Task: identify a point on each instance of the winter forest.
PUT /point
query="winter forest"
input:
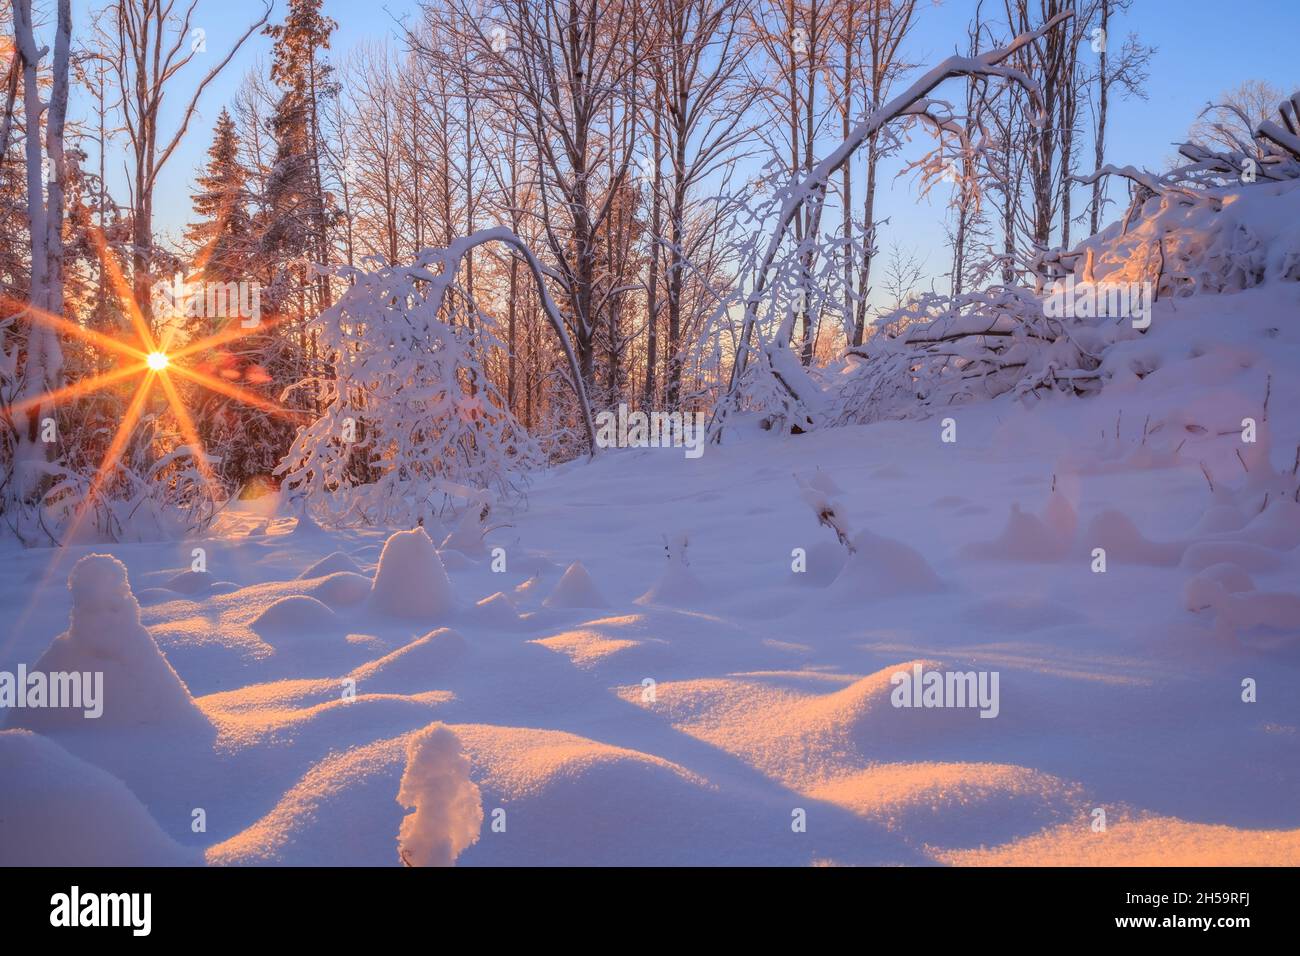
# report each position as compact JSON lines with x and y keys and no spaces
{"x":778,"y":432}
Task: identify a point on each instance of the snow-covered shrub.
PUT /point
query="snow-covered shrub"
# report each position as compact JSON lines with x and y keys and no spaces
{"x":1193,"y":242}
{"x":410,"y":416}
{"x":139,"y":496}
{"x":167,"y":499}
{"x":448,"y":810}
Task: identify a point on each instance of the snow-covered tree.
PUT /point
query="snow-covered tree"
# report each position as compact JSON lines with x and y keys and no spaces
{"x":411,"y":422}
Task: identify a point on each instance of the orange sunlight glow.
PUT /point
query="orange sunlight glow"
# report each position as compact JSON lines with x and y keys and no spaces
{"x":153,"y":360}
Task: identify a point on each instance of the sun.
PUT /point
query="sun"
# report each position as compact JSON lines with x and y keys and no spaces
{"x":156,"y":365}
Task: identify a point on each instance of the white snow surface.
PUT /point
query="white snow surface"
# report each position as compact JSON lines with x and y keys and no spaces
{"x":687,"y":719}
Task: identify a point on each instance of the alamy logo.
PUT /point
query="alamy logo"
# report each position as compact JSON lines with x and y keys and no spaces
{"x":1087,"y":300}
{"x":210,"y":300}
{"x":73,"y":689}
{"x":921,"y":688}
{"x":651,"y":430}
{"x":102,"y":909}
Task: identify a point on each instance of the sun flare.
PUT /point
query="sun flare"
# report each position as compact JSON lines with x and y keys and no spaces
{"x":156,"y":361}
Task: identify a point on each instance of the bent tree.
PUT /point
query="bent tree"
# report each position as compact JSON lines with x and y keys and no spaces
{"x":810,"y":191}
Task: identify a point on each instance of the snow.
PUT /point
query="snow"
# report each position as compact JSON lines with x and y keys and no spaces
{"x":411,"y":581}
{"x":57,"y":810}
{"x":649,"y":678}
{"x":575,"y":590}
{"x":140,"y":687}
{"x":448,"y":810}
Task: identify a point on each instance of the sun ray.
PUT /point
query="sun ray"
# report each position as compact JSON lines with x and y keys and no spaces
{"x":237,"y":393}
{"x":122,"y":436}
{"x":231,"y":333}
{"x":190,"y":433}
{"x":122,"y":289}
{"x":72,"y":328}
{"x":76,"y":389}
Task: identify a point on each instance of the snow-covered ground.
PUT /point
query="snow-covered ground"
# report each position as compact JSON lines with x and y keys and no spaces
{"x":649,"y":681}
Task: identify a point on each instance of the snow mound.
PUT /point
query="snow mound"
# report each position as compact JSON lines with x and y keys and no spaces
{"x":1204,"y":589}
{"x":293,"y":615}
{"x":824,"y":562}
{"x":678,"y":586}
{"x":565,"y":796}
{"x":330,"y":564}
{"x":1236,"y":615}
{"x":1251,"y":557}
{"x":952,"y":804}
{"x":1142,"y":841}
{"x":448,"y":810}
{"x":340,"y":813}
{"x":1030,"y":537}
{"x":807,"y":739}
{"x":105,"y":636}
{"x":467,"y":536}
{"x":1024,"y":537}
{"x":575,"y":589}
{"x":191,"y":582}
{"x":58,"y":810}
{"x":883,"y":567}
{"x":411,"y":666}
{"x":342,"y":587}
{"x":1125,"y":544}
{"x":411,"y":581}
{"x":496,"y":610}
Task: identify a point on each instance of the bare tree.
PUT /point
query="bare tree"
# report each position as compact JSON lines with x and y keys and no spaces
{"x":43,"y":369}
{"x":152,"y":43}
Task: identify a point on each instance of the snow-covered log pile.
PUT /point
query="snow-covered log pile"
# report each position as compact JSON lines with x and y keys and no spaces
{"x":1173,"y":242}
{"x":1202,"y":241}
{"x":945,"y":350}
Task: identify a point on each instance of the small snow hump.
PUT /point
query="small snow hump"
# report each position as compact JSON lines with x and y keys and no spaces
{"x":448,"y":809}
{"x":883,"y":567}
{"x":678,"y":585}
{"x":575,"y":589}
{"x":295,"y":615}
{"x":331,"y":564}
{"x":411,"y":581}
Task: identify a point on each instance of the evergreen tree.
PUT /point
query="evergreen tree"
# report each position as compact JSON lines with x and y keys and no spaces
{"x":297,"y":215}
{"x":222,"y":235}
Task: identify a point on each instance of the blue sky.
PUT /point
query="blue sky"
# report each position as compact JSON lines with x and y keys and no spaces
{"x":1204,"y":48}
